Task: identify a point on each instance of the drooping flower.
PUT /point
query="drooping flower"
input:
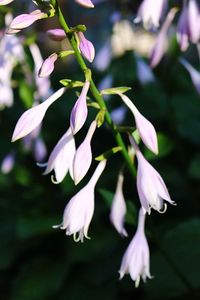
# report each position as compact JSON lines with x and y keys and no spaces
{"x":160,"y":45}
{"x":194,"y":74}
{"x":80,"y":111}
{"x":136,"y":258}
{"x":25,"y":20}
{"x":150,"y":13}
{"x":48,"y":65}
{"x":144,"y":72}
{"x":151,"y":188}
{"x":79,"y":210}
{"x":145,"y":128}
{"x":39,"y":149}
{"x":194,"y":21}
{"x":85,"y":3}
{"x":56,"y":34}
{"x":61,"y":158}
{"x":83,"y":156}
{"x":31,"y":118}
{"x":4,"y":2}
{"x":103,"y":57}
{"x":86,"y":47}
{"x":183,"y":29}
{"x":118,"y":207}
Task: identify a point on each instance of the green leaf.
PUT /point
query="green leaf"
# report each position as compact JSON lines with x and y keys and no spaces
{"x":115,"y":90}
{"x":182,"y":244}
{"x":100,"y":117}
{"x":71,"y":83}
{"x":26,"y":93}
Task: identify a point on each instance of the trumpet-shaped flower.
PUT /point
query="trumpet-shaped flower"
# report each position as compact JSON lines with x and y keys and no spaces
{"x":145,"y":128}
{"x":150,"y":12}
{"x":48,"y":65}
{"x":194,"y":74}
{"x":61,"y":158}
{"x":136,"y":258}
{"x":4,"y":2}
{"x":79,"y":210}
{"x":118,"y":208}
{"x":25,"y":20}
{"x":31,"y":118}
{"x":80,"y":111}
{"x":86,"y":47}
{"x":56,"y":34}
{"x":160,"y":46}
{"x":83,"y":156}
{"x":151,"y":188}
{"x":85,"y":3}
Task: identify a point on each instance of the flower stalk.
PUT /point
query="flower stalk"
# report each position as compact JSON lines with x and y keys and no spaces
{"x":95,"y":92}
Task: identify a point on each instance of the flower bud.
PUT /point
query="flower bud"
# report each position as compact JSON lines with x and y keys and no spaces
{"x":83,"y":156}
{"x":194,"y":21}
{"x":48,"y":65}
{"x":56,"y":34}
{"x":86,"y":3}
{"x":79,"y":112}
{"x":31,"y":118}
{"x":118,"y":208}
{"x":86,"y":47}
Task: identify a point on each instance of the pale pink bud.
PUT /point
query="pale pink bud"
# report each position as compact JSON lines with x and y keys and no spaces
{"x":150,"y":13}
{"x":194,"y":74}
{"x":79,"y":210}
{"x":85,"y":3}
{"x":103,"y":57}
{"x":4,"y":2}
{"x":194,"y":21}
{"x":48,"y":65}
{"x":86,"y":47}
{"x":83,"y":156}
{"x":160,"y":46}
{"x":8,"y":163}
{"x":183,"y":29}
{"x":151,"y":188}
{"x":61,"y":158}
{"x":24,"y":20}
{"x":136,"y":259}
{"x":118,"y":208}
{"x":80,"y":111}
{"x":145,"y":128}
{"x":56,"y":34}
{"x":31,"y":118}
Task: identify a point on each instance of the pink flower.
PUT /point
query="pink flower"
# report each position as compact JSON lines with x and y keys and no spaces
{"x":150,"y":12}
{"x":183,"y":29}
{"x":86,"y":3}
{"x":56,"y":34}
{"x":194,"y":21}
{"x":86,"y":47}
{"x":25,"y":20}
{"x":61,"y":158}
{"x":151,"y":188}
{"x":80,"y":111}
{"x":48,"y":65}
{"x":31,"y":118}
{"x":4,"y":2}
{"x":79,"y":210}
{"x":145,"y":128}
{"x":118,"y":208}
{"x":136,"y":258}
{"x":83,"y":156}
{"x":159,"y":47}
{"x":8,"y":163}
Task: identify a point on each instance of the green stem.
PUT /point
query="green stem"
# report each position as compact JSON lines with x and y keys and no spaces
{"x":95,"y":92}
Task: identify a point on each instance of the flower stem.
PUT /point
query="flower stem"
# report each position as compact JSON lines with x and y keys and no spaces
{"x":95,"y":92}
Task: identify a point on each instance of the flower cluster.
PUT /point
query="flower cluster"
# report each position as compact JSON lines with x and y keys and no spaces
{"x":66,"y":157}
